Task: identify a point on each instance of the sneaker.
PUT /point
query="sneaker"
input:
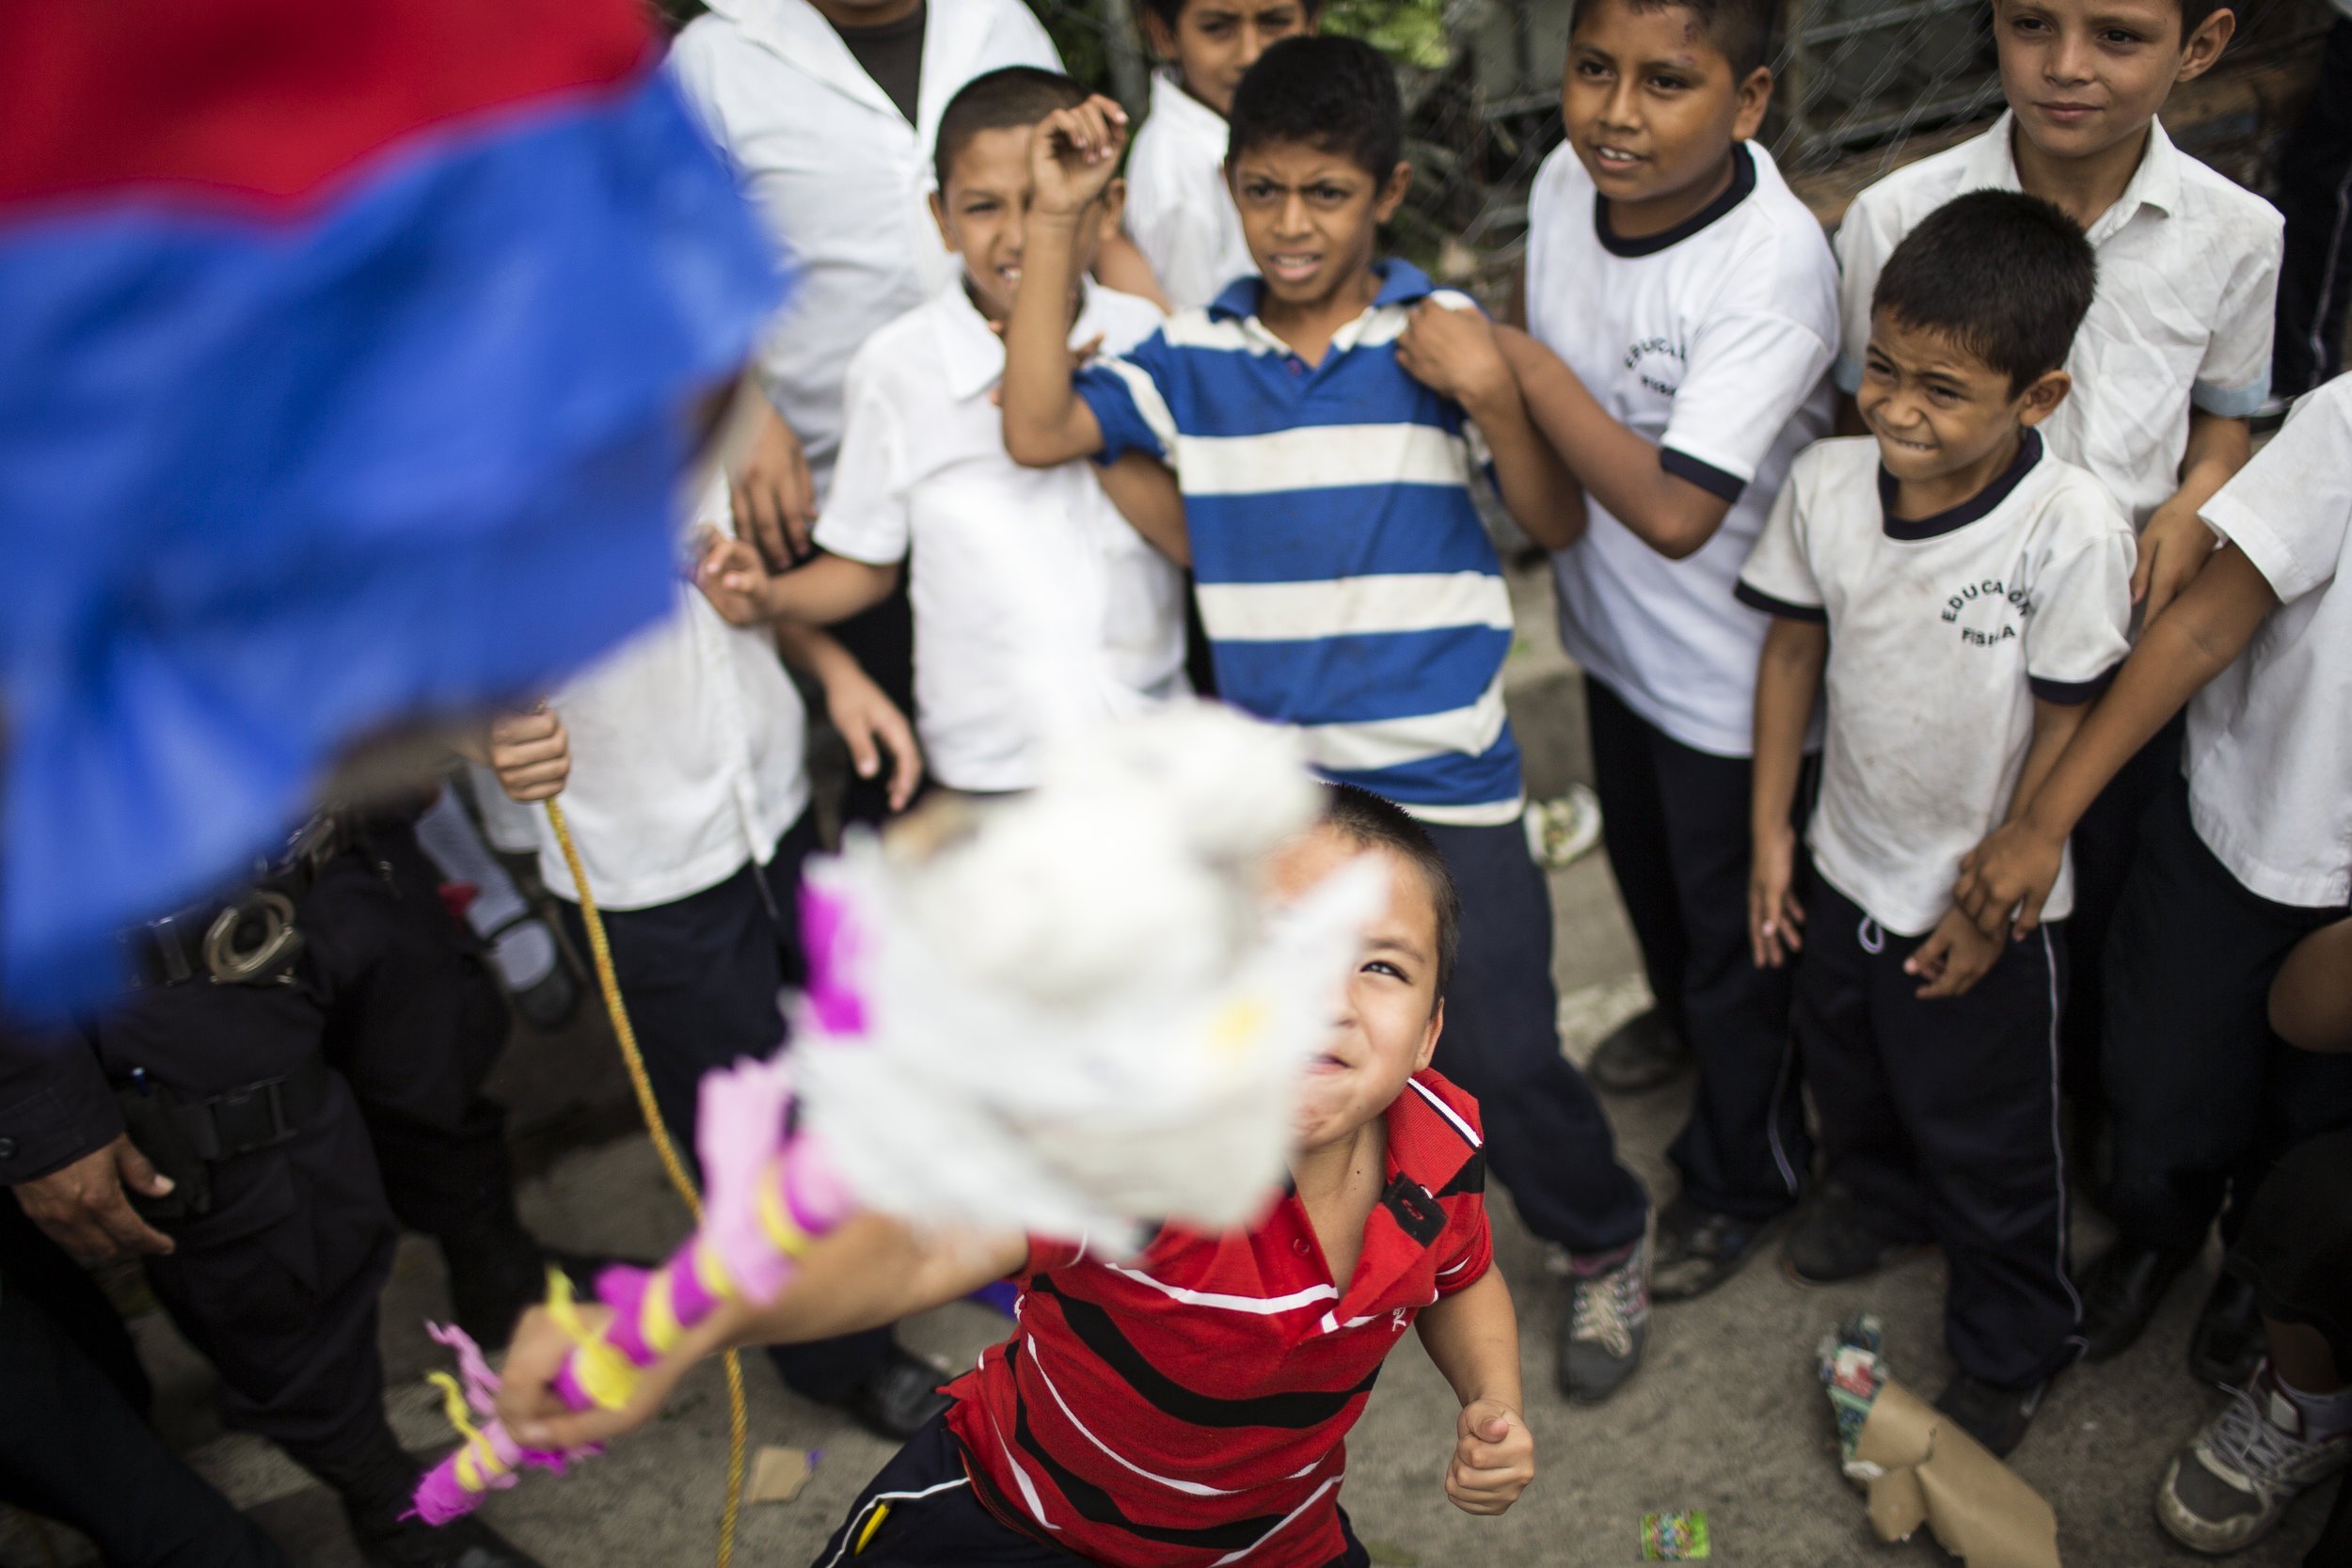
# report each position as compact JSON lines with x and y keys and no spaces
{"x":1834,"y":1241}
{"x":2234,"y":1481}
{"x":2227,"y":1343}
{"x":1698,"y":1249}
{"x":1608,"y":1322}
{"x":1560,"y":831}
{"x":1642,"y":1052}
{"x":899,"y":1398}
{"x":1993,"y":1416}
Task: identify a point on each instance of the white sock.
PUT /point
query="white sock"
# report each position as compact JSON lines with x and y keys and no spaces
{"x":526,"y":952}
{"x":2325,"y":1416}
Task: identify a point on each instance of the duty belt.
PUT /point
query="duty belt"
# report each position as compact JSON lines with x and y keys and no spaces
{"x":250,"y":937}
{"x":260,"y":1115}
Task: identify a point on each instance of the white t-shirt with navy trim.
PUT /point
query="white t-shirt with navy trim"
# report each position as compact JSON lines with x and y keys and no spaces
{"x":1038,"y":610}
{"x":1943,"y":632}
{"x":2188,"y":280}
{"x":2269,"y":753}
{"x":1179,"y":208}
{"x":1712,"y":341}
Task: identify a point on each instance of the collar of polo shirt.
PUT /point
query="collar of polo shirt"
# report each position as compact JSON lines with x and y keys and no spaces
{"x":2156,"y":182}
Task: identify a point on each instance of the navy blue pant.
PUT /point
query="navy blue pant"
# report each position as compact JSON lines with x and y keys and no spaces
{"x":928,"y":1517}
{"x":1941,"y":1115}
{"x":1675,"y":821}
{"x":2105,"y":844}
{"x":75,"y":1446}
{"x":1547,"y":1137}
{"x":2204,"y":1095}
{"x":701,"y":976}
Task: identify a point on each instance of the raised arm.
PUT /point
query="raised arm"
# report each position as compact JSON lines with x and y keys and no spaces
{"x":868,"y":1272}
{"x":1616,"y":467}
{"x":1072,"y":157}
{"x":1457,"y":352}
{"x":2203,"y":632}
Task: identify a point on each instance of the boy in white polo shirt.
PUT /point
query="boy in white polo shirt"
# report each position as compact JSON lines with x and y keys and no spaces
{"x":679,"y":761}
{"x":1037,"y":606}
{"x":2246,"y":854}
{"x":828,"y":109}
{"x":2172,"y":357}
{"x":1695,"y":303}
{"x":1960,"y":594}
{"x":1179,"y":207}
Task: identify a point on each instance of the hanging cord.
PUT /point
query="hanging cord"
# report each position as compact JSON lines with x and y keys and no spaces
{"x":601,"y":952}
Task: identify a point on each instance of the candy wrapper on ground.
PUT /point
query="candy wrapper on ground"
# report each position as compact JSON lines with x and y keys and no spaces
{"x":1918,"y":1466}
{"x":1674,"y":1537}
{"x":1076,"y":1013}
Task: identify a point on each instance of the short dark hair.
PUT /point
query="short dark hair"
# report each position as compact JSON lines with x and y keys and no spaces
{"x":2006,"y":276}
{"x":1172,"y":11}
{"x":1740,"y":30}
{"x":2193,"y":14}
{"x":999,"y":100}
{"x":1326,"y":90}
{"x":1364,"y":818}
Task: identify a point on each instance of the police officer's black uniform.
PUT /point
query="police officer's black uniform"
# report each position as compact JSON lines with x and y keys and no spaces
{"x":310,"y":1091}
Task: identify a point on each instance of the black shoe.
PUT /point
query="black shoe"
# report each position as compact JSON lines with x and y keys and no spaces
{"x":899,"y":1398}
{"x":1640,"y":1054}
{"x":2229,"y":1339}
{"x":549,"y":1003}
{"x":1834,"y":1240}
{"x":459,"y":1543}
{"x":1997,"y":1417}
{"x":1698,"y":1249}
{"x":2121,"y":1293}
{"x":377,"y":1485}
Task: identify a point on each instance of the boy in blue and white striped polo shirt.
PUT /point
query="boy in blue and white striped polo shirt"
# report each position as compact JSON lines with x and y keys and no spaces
{"x":1345,"y":580}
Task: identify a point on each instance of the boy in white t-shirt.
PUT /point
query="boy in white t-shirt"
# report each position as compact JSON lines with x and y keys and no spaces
{"x":1180,"y":208}
{"x":2172,"y":357}
{"x":2245,"y":854}
{"x":1960,"y":594}
{"x":1037,"y":607}
{"x":1695,"y":303}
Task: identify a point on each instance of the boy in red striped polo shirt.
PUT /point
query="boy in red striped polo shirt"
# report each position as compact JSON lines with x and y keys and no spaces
{"x":1188,"y":1407}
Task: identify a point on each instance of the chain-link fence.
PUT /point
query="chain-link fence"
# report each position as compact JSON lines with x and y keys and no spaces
{"x":1863,"y":86}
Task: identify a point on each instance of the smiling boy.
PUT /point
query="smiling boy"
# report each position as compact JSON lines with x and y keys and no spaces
{"x":1038,"y":608}
{"x":1691,"y":303}
{"x":2173,"y":356}
{"x":1345,"y":580}
{"x":1179,"y":208}
{"x":1189,"y":1405}
{"x":1960,"y":595}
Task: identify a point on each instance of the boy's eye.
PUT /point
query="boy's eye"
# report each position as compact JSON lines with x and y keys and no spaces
{"x":1591,"y":70}
{"x":1668,"y":84}
{"x":1381,"y":966}
{"x":2117,"y":38}
{"x":1329,"y":195}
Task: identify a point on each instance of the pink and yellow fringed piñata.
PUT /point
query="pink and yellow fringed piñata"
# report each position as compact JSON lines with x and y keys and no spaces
{"x":1069,"y":1014}
{"x":767,"y":1207}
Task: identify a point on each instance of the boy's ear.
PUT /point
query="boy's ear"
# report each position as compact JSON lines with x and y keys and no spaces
{"x":1755,"y":96}
{"x":1392,"y":193}
{"x":1157,"y":34}
{"x":2201,"y":48}
{"x":1428,"y":1051}
{"x":2042,"y":396}
{"x":1114,"y":200}
{"x":939,"y":216}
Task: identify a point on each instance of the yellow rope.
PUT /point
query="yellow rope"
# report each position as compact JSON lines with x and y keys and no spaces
{"x":601,"y":952}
